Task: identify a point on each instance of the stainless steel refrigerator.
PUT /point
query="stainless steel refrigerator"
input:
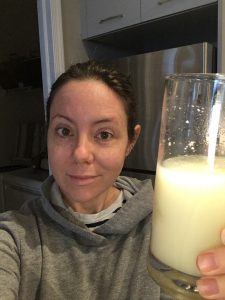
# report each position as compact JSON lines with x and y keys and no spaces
{"x":147,"y":72}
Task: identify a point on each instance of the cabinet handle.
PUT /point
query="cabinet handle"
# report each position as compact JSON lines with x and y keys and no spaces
{"x":160,"y":2}
{"x":111,"y":18}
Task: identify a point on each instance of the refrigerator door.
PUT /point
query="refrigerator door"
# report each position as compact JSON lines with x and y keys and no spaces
{"x":147,"y":73}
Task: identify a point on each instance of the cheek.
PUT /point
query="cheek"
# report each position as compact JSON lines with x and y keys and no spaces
{"x":58,"y":149}
{"x":51,"y":150}
{"x":56,"y":156}
{"x":112,"y":160}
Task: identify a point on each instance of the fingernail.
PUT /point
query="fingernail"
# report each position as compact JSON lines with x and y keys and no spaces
{"x":207,"y":287}
{"x":206,"y":262}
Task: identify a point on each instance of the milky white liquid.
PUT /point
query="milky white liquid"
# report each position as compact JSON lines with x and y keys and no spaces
{"x":189,"y":210}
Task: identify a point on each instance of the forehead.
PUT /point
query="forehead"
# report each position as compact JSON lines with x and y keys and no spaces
{"x":86,"y":95}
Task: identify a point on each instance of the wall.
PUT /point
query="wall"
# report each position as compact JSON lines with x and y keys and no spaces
{"x":74,"y":49}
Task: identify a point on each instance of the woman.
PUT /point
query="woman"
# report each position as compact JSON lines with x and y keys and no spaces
{"x":87,"y":237}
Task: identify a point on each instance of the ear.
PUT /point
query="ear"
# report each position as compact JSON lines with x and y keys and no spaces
{"x":137,"y":131}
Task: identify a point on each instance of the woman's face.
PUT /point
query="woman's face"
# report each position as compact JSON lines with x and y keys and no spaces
{"x":87,"y":141}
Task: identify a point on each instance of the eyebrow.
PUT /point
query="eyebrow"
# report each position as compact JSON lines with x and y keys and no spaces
{"x":105,"y":120}
{"x":63,"y":117}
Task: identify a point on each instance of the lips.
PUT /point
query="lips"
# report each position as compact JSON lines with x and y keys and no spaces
{"x":82,"y":179}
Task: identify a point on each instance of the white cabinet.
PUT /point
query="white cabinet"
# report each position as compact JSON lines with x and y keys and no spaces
{"x":152,"y":9}
{"x":103,"y":16}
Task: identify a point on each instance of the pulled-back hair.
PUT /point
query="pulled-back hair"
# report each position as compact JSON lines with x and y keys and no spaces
{"x":112,"y":77}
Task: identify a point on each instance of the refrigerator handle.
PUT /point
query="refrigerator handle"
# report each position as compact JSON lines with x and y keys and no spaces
{"x":155,"y":140}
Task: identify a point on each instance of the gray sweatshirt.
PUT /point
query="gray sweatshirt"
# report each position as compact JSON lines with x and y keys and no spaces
{"x":46,"y":253}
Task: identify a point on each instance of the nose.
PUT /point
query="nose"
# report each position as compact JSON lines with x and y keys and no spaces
{"x":83,"y":151}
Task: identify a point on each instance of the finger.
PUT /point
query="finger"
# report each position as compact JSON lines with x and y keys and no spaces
{"x":223,"y":236}
{"x":212,"y":262}
{"x":212,"y":287}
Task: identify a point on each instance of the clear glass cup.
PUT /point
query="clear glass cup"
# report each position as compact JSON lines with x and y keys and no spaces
{"x":189,"y":192}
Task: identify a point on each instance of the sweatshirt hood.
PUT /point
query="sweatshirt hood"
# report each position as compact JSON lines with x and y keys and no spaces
{"x":138,"y":195}
{"x":137,"y":207}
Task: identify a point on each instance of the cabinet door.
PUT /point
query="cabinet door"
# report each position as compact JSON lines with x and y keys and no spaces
{"x":152,"y":9}
{"x":102,"y":16}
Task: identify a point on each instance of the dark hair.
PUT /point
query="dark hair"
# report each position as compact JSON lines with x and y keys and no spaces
{"x":112,"y":77}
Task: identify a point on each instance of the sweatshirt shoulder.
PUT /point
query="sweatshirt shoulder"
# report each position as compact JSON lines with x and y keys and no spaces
{"x":19,"y":222}
{"x":133,"y":185}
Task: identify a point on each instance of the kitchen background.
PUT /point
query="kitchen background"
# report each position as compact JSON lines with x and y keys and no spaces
{"x":21,"y":103}
{"x":144,"y":26}
{"x":21,"y":100}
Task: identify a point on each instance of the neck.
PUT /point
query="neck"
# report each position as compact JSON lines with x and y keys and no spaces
{"x":96,"y":205}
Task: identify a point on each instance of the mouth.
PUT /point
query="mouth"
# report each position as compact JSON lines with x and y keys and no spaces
{"x":82,"y":179}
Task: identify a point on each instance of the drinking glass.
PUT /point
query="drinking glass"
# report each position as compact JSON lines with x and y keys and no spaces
{"x":189,"y":192}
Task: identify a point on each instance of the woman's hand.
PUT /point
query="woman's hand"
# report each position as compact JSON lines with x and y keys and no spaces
{"x":212,"y":265}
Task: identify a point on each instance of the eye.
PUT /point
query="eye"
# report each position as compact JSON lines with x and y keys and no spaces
{"x":104,"y":135}
{"x":63,"y":132}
